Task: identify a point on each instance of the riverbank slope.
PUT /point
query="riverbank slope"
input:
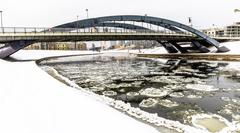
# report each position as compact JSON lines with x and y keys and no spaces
{"x":32,"y":101}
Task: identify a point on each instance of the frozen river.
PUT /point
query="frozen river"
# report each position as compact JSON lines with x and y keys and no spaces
{"x":195,"y":93}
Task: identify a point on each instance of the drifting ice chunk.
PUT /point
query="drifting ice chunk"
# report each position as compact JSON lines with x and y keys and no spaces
{"x":109,"y":93}
{"x":96,"y":89}
{"x":177,"y":94}
{"x":226,"y":99}
{"x":153,"y":92}
{"x":194,"y":96}
{"x":236,"y":117}
{"x":212,"y":123}
{"x":168,"y":103}
{"x":225,"y":111}
{"x":132,"y":94}
{"x":201,"y":87}
{"x":147,"y":103}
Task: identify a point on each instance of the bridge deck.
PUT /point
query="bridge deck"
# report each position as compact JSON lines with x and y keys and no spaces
{"x":9,"y":34}
{"x":95,"y":36}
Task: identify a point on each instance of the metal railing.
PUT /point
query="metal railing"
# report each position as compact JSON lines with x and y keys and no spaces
{"x":44,"y":30}
{"x":222,"y":36}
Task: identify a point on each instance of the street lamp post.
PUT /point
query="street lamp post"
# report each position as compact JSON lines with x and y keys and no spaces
{"x":236,"y":10}
{"x":87,"y":13}
{"x":87,"y":18}
{"x":77,"y":26}
{"x":1,"y":20}
{"x":190,"y":21}
{"x":77,"y":23}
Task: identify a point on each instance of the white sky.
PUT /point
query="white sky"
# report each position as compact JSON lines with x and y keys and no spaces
{"x":47,"y":13}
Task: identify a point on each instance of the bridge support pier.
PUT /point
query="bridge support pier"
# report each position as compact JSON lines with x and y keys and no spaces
{"x":200,"y":47}
{"x":181,"y":49}
{"x":222,"y":49}
{"x":169,"y":47}
{"x":13,"y":47}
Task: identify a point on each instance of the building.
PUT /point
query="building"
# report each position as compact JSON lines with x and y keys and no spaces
{"x":81,"y":46}
{"x":58,"y":46}
{"x":214,"y":32}
{"x":229,"y":31}
{"x":62,"y":46}
{"x":233,"y":30}
{"x":35,"y":46}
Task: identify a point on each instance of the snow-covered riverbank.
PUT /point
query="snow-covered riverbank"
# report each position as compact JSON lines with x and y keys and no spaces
{"x":32,"y":101}
{"x":39,"y":54}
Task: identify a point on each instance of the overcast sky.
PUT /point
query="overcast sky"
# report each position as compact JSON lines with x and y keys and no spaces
{"x":48,"y":13}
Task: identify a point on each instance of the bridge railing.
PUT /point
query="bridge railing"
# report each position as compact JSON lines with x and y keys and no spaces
{"x":224,"y":36}
{"x":44,"y":30}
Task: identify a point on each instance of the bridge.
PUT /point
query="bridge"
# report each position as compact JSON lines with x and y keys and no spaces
{"x":173,"y":36}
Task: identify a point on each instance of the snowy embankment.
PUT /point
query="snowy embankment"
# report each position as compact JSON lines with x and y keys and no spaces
{"x":32,"y":101}
{"x":233,"y":46}
{"x":39,"y":54}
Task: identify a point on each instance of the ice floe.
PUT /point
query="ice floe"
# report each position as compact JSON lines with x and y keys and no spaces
{"x":226,"y":99}
{"x":201,"y":87}
{"x":147,"y":103}
{"x":168,"y":103}
{"x":96,"y":89}
{"x":153,"y":92}
{"x":212,"y":123}
{"x":177,"y":94}
{"x":132,"y":95}
{"x":109,"y":93}
{"x":194,"y":96}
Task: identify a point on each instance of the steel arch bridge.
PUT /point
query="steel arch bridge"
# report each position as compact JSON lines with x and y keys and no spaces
{"x":123,"y":21}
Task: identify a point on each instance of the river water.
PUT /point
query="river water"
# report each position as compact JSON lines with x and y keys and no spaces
{"x":173,"y":89}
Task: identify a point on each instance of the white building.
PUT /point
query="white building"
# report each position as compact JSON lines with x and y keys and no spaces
{"x":232,"y":30}
{"x":213,"y":32}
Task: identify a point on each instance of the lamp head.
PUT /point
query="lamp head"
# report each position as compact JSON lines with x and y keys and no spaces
{"x":237,"y":10}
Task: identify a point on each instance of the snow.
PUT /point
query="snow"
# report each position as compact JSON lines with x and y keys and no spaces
{"x":156,"y":50}
{"x":233,"y":68}
{"x":233,"y":46}
{"x":39,"y":54}
{"x":32,"y":101}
